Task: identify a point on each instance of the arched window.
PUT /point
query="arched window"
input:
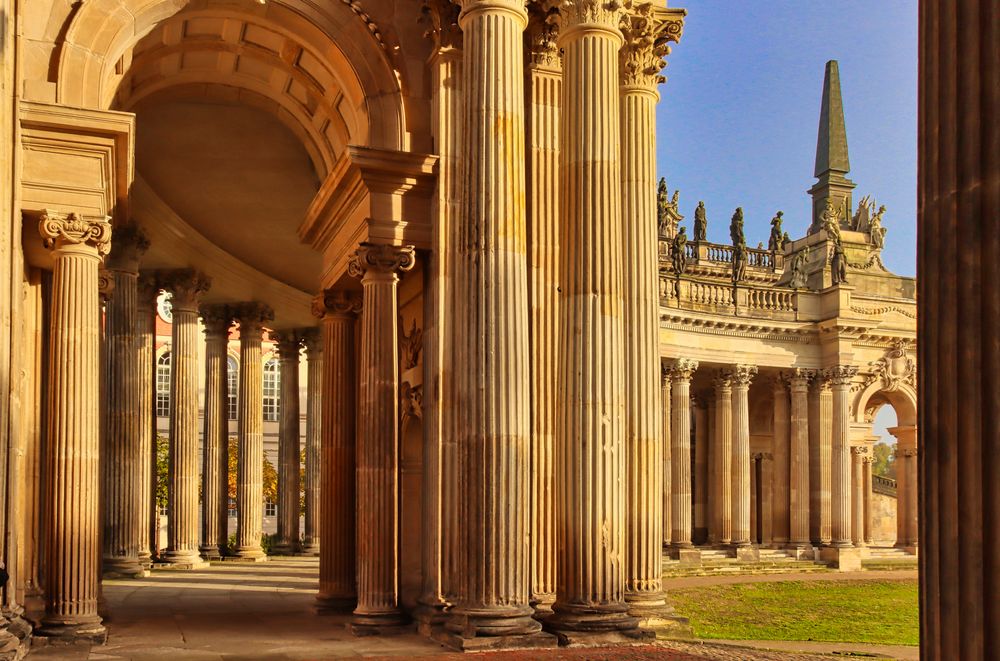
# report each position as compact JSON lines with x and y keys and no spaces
{"x":272,"y":385}
{"x":163,"y":385}
{"x":232,"y":386}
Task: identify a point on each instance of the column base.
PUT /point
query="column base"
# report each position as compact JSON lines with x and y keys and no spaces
{"x":145,"y":559}
{"x":687,"y":555}
{"x":539,"y":639}
{"x":285,"y":548}
{"x":327,"y":605}
{"x":801,"y":551}
{"x":430,"y":617}
{"x":663,"y":620}
{"x":210,"y":552}
{"x":248,"y":554}
{"x":747,"y":553}
{"x":841,"y":558}
{"x":568,"y":618}
{"x":542,"y":603}
{"x":379,"y":623}
{"x":67,"y":631}
{"x":123,"y":568}
{"x":309,"y":548}
{"x":181,"y":560}
{"x":491,"y":622}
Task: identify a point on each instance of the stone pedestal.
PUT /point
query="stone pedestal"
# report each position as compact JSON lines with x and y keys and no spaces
{"x":313,"y":339}
{"x":124,"y":465}
{"x":378,"y":611}
{"x":217,"y":320}
{"x":746,"y":554}
{"x":841,"y":558}
{"x":250,"y":436}
{"x":289,"y":443}
{"x":186,"y":287}
{"x":337,"y":593}
{"x":71,"y":506}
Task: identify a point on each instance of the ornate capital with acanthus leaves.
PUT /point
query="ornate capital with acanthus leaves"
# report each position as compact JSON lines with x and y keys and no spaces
{"x":742,"y":375}
{"x":289,"y":344}
{"x":129,"y":246}
{"x":841,"y":375}
{"x":606,"y":14}
{"x":381,"y":258}
{"x":648,"y":29}
{"x":543,"y":35}
{"x":217,"y":319}
{"x":185,"y":286}
{"x":312,"y":338}
{"x":723,"y":382}
{"x":798,"y":378}
{"x":336,"y":302}
{"x":683,"y":369}
{"x":60,"y":230}
{"x":441,"y":16}
{"x":252,"y":316}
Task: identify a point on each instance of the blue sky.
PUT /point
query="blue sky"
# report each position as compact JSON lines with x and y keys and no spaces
{"x":738,"y":117}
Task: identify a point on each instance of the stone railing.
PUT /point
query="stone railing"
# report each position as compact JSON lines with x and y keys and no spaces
{"x":718,"y":254}
{"x":775,"y":300}
{"x":710,"y":294}
{"x":742,"y":301}
{"x":884,"y":485}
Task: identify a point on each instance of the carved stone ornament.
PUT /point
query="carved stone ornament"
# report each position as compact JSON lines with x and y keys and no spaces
{"x":312,"y":338}
{"x":147,"y":288}
{"x":61,"y":229}
{"x":543,"y":34}
{"x":723,"y":381}
{"x":441,"y":17}
{"x":841,"y":375}
{"x":289,"y":343}
{"x":105,"y":285}
{"x":337,"y":302}
{"x":252,"y":316}
{"x":799,"y":377}
{"x":129,"y":246}
{"x":412,"y":400}
{"x":608,"y":13}
{"x":859,"y":449}
{"x":185,"y":286}
{"x":381,"y":257}
{"x":217,"y":319}
{"x":893,"y":369}
{"x":410,"y":346}
{"x":647,"y":29}
{"x":683,"y":369}
{"x":742,"y":375}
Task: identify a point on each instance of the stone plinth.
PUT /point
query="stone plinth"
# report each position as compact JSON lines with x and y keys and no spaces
{"x":841,"y":558}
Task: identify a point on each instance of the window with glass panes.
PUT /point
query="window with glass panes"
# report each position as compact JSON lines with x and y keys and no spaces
{"x":232,"y":386}
{"x":272,"y":384}
{"x":163,"y":385}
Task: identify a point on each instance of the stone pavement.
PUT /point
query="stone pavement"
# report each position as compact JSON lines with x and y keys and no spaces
{"x":234,"y":611}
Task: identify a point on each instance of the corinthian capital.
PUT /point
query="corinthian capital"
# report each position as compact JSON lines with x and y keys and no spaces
{"x":252,"y":316}
{"x":543,"y":34}
{"x":381,"y":257}
{"x":598,"y":13}
{"x":336,"y":302}
{"x":742,"y":375}
{"x":289,"y":344}
{"x":442,"y":19}
{"x":129,"y":246}
{"x":683,"y":369}
{"x":217,"y":318}
{"x":185,"y":286}
{"x":105,"y":285}
{"x":59,"y":230}
{"x":841,"y":375}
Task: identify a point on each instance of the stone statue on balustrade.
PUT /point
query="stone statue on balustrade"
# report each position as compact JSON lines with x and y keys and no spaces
{"x":875,"y":228}
{"x":831,"y":221}
{"x":678,"y":251}
{"x":799,"y":276}
{"x":838,"y":263}
{"x":739,"y":262}
{"x":736,"y":228}
{"x":700,"y":223}
{"x":776,"y":243}
{"x":662,"y":218}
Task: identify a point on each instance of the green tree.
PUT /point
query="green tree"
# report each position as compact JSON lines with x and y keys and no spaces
{"x":162,"y":469}
{"x":885,"y":460}
{"x":270,"y":473}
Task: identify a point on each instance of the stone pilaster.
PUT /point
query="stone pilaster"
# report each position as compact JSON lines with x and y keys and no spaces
{"x":590,"y":438}
{"x":72,"y":482}
{"x":217,"y":320}
{"x":859,"y":455}
{"x":313,"y":340}
{"x":680,"y":454}
{"x":840,"y":494}
{"x":820,"y":449}
{"x":741,"y":377}
{"x":185,"y":286}
{"x":798,"y":493}
{"x":146,"y":292}
{"x":866,"y":490}
{"x":640,"y":61}
{"x":665,"y":418}
{"x":906,"y":502}
{"x":722,"y":496}
{"x":289,"y":442}
{"x":491,"y":277}
{"x":378,"y":609}
{"x":781,"y":442}
{"x":543,"y":129}
{"x":124,"y":521}
{"x":250,"y":435}
{"x":338,"y":310}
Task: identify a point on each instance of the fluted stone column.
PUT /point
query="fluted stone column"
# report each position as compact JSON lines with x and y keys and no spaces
{"x":699,"y":533}
{"x":820,"y":453}
{"x":798,"y":493}
{"x":491,"y":276}
{"x":338,"y":310}
{"x":590,"y":445}
{"x":680,"y":453}
{"x":858,"y":456}
{"x":766,"y":517}
{"x":217,"y":320}
{"x":711,"y":460}
{"x":313,"y":340}
{"x":958,"y":206}
{"x":378,"y":609}
{"x":71,"y":508}
{"x":782,"y":469}
{"x":543,"y":127}
{"x":666,"y":490}
{"x":250,"y":436}
{"x":723,"y":482}
{"x":186,"y":287}
{"x":909,"y":501}
{"x":289,"y":442}
{"x":640,"y":61}
{"x":741,"y":377}
{"x":145,"y":327}
{"x":840,"y":494}
{"x":866,"y":490}
{"x":124,"y":465}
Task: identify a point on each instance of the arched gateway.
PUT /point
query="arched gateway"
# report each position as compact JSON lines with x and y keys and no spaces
{"x":452,"y":207}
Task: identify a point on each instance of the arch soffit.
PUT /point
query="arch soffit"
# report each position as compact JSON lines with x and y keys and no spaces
{"x":902,"y":398}
{"x":103,"y":32}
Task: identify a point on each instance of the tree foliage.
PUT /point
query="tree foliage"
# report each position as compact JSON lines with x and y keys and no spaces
{"x":270,"y":474}
{"x":885,"y":460}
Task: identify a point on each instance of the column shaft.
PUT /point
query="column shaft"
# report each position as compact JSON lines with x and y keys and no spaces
{"x":186,"y":287}
{"x":146,"y":293}
{"x":857,"y":496}
{"x":590,"y":475}
{"x":314,"y":436}
{"x":712,"y":462}
{"x":800,"y":460}
{"x":667,"y":488}
{"x":71,"y":507}
{"x":337,"y":565}
{"x":217,"y":320}
{"x":289,"y":443}
{"x":820,"y":448}
{"x":912,"y":485}
{"x":680,"y":452}
{"x":250,"y":434}
{"x":377,"y":450}
{"x":700,"y":532}
{"x":840,"y":483}
{"x":741,"y":454}
{"x":782,"y":469}
{"x":724,"y":457}
{"x":866,"y":490}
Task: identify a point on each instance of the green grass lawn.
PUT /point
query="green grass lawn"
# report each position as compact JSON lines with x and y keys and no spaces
{"x":833,"y":611}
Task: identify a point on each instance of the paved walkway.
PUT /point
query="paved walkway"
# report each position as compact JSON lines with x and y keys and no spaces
{"x":235,"y":611}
